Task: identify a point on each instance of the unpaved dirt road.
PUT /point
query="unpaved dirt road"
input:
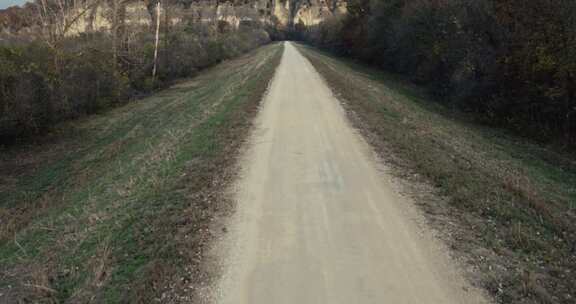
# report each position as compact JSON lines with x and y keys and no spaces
{"x":317,"y":221}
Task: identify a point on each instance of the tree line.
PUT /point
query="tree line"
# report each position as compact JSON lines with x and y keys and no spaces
{"x":511,"y":62}
{"x":49,"y":74}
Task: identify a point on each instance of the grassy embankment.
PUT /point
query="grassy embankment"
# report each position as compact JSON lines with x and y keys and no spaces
{"x":116,"y":207}
{"x":514,"y":201}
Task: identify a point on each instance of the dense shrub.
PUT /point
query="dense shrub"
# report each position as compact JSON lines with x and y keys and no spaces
{"x":512,"y":62}
{"x":41,"y":85}
{"x":187,"y":53}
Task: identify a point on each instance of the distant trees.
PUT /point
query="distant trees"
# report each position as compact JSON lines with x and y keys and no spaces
{"x":511,"y":61}
{"x":15,"y":18}
{"x":57,"y":76}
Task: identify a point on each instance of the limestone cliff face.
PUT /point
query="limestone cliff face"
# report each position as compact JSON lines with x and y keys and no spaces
{"x":142,"y":13}
{"x":312,"y":12}
{"x":307,"y":12}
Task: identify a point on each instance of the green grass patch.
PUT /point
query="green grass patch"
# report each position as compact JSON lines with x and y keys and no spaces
{"x":100,"y":213}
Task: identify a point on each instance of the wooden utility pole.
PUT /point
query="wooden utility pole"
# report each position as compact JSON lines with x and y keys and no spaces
{"x":156,"y":42}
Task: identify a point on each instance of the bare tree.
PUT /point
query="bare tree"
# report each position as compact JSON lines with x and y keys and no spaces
{"x":58,"y":16}
{"x":156,"y":40}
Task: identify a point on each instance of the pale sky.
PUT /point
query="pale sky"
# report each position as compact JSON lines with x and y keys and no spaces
{"x":8,"y":3}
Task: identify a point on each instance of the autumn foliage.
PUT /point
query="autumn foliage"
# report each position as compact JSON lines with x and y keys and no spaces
{"x":511,"y":62}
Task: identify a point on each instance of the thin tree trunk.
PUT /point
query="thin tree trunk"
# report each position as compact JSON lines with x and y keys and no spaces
{"x":156,"y":42}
